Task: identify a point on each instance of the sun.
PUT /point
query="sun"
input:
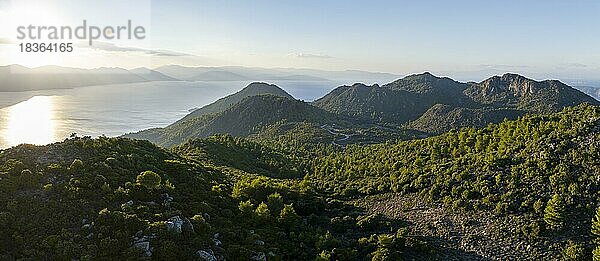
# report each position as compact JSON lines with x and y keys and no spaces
{"x":24,"y":13}
{"x":35,"y":12}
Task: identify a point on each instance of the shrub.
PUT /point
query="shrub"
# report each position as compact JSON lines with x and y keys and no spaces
{"x":385,"y":240}
{"x":263,"y":211}
{"x":246,"y":207}
{"x":200,"y":224}
{"x":554,"y":214}
{"x":288,"y":215}
{"x":76,"y":165}
{"x":381,"y":254}
{"x":532,"y":231}
{"x":573,"y":251}
{"x":275,"y":202}
{"x":596,"y":254}
{"x":148,"y":179}
{"x":596,"y":225}
{"x":13,"y":167}
{"x":327,"y":241}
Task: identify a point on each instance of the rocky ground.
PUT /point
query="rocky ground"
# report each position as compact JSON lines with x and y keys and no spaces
{"x":461,"y":235}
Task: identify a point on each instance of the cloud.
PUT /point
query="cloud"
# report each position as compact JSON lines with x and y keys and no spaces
{"x":311,"y":56}
{"x":573,"y":65}
{"x":167,"y":53}
{"x":503,"y":66}
{"x":115,"y":48}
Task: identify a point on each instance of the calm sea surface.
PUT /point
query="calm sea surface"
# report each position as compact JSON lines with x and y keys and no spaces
{"x":43,"y":117}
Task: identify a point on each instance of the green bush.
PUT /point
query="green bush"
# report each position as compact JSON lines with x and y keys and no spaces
{"x":554,"y":213}
{"x":148,"y":179}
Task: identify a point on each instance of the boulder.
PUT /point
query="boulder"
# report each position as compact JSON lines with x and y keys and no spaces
{"x":206,"y":255}
{"x":175,"y":224}
{"x":127,"y":205}
{"x":144,"y":247}
{"x":260,"y":256}
{"x":187,"y":226}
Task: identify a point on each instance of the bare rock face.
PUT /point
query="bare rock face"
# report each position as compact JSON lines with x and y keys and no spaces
{"x":515,"y":84}
{"x":187,"y":226}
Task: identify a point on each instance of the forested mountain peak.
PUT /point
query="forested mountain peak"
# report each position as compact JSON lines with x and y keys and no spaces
{"x":513,"y":90}
{"x":426,"y":83}
{"x":241,"y":119}
{"x":517,"y":84}
{"x":255,"y":88}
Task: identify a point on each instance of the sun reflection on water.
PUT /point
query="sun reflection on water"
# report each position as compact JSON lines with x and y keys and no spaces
{"x":31,"y":122}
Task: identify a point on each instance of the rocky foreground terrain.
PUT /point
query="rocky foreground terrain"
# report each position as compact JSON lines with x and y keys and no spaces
{"x":464,"y":235}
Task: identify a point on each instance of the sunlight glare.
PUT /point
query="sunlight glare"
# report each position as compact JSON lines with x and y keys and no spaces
{"x":25,"y":13}
{"x":31,"y":122}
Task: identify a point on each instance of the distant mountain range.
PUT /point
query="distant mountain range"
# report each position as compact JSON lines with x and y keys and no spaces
{"x":16,"y":78}
{"x":237,"y":73}
{"x":20,"y":78}
{"x":432,"y":104}
{"x":423,"y":103}
{"x":591,"y":91}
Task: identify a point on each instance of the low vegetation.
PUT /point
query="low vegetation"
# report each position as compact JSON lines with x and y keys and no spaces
{"x":533,"y":180}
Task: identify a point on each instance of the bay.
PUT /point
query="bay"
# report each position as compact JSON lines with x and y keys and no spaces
{"x":43,"y":117}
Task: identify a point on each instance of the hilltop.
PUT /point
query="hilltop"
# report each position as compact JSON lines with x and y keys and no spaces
{"x":434,"y":104}
{"x":414,"y":106}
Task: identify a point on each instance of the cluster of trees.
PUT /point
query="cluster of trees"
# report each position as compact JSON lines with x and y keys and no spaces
{"x":543,"y":167}
{"x":245,"y":155}
{"x":236,"y":198}
{"x":117,"y":198}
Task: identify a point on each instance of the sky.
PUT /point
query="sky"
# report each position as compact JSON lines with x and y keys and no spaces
{"x":464,"y":39}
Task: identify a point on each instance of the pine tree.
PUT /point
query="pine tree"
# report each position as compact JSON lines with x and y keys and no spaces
{"x":596,"y":225}
{"x":262,"y":211}
{"x":148,"y":179}
{"x":275,"y":202}
{"x":554,"y":214}
{"x":288,"y":215}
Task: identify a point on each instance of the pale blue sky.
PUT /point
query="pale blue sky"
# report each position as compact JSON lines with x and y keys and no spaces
{"x":463,"y":38}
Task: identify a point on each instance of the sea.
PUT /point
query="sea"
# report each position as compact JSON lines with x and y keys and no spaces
{"x":43,"y":117}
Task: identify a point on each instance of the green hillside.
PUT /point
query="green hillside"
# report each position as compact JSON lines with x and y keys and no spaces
{"x":434,"y":105}
{"x":523,"y":189}
{"x":241,"y":119}
{"x":256,"y":88}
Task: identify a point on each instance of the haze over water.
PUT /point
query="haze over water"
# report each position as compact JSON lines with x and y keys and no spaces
{"x":43,"y":117}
